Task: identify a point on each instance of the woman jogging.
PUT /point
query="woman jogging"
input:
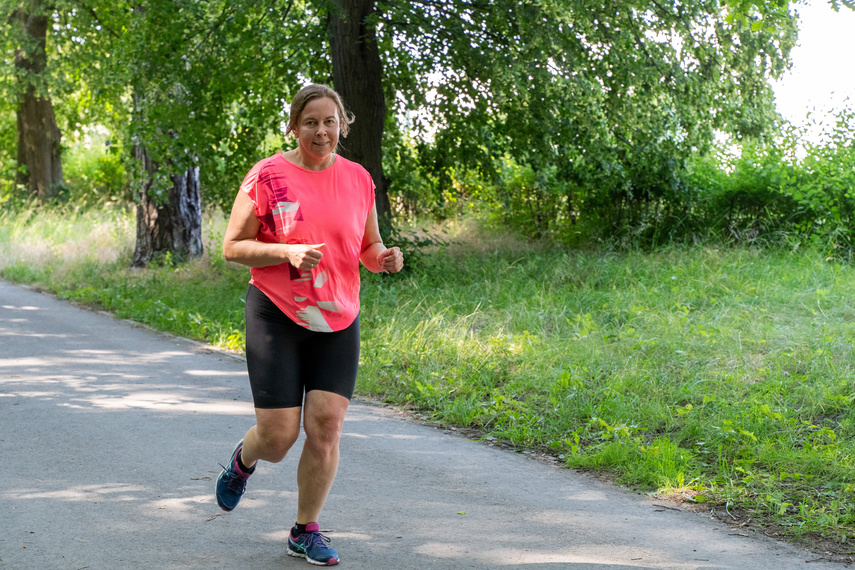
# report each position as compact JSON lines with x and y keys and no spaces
{"x":303,"y":220}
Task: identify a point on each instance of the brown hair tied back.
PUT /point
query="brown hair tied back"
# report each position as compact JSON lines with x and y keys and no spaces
{"x":316,"y":91}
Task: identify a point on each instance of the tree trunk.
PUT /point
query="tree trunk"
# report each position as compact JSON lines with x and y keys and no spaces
{"x":170,"y":224}
{"x":169,"y":220}
{"x":357,"y":76}
{"x":39,"y":164}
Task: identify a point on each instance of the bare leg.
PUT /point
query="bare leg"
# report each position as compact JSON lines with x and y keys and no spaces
{"x":322,"y":421}
{"x":273,"y":435}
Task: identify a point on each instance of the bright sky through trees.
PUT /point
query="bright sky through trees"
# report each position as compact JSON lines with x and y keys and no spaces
{"x":821,"y":76}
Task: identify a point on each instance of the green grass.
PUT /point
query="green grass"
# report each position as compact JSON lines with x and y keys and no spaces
{"x":720,"y":374}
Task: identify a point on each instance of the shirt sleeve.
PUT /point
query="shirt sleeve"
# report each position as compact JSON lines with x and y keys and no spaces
{"x":250,"y":182}
{"x":255,"y":186}
{"x":371,"y":187}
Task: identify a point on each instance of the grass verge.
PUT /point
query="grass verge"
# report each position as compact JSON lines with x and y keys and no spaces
{"x":722,"y":376}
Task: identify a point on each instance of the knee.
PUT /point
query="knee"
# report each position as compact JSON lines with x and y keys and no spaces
{"x":276,"y":444}
{"x":325,"y":434}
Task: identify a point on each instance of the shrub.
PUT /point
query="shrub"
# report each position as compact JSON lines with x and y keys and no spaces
{"x":93,"y":171}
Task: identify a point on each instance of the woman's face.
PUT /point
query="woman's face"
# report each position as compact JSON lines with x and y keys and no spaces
{"x":318,"y":128}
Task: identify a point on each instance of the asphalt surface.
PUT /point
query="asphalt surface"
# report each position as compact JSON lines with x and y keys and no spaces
{"x":111,"y":435}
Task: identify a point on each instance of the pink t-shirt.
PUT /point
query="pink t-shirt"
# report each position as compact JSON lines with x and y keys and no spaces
{"x":296,"y":205}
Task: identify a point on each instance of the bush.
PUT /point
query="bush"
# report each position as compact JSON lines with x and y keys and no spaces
{"x":786,"y":189}
{"x":824,"y":186}
{"x":8,"y":152}
{"x":740,"y":195}
{"x":789,"y":188}
{"x":93,"y":172}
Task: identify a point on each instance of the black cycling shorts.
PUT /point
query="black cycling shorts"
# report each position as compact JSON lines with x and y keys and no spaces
{"x":286,"y":360}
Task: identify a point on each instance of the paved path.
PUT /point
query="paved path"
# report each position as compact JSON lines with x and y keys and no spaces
{"x":110,"y":437}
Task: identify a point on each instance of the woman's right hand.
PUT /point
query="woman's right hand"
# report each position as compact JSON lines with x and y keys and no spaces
{"x":305,"y":257}
{"x":241,"y":245}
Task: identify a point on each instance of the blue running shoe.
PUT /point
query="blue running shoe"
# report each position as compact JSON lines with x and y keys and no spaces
{"x":312,"y":546}
{"x":232,"y":482}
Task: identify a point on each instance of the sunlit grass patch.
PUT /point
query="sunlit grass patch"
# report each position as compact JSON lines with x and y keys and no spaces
{"x":713,"y":368}
{"x":61,"y":238}
{"x":84,"y":256}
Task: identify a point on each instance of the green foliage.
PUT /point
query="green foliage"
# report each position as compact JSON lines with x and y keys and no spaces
{"x":824,"y":186}
{"x":94,"y":171}
{"x":411,"y":189}
{"x":201,"y":84}
{"x":770,"y":12}
{"x":210,"y":87}
{"x":531,"y":200}
{"x":8,"y":149}
{"x":561,"y":119}
{"x":737,"y":195}
{"x":600,"y":106}
{"x":786,"y":190}
{"x":183,"y":300}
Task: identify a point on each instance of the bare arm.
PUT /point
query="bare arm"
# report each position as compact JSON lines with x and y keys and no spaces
{"x":240,"y":245}
{"x":375,"y":256}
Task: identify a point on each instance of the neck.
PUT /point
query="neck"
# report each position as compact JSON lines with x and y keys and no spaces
{"x":309,"y":164}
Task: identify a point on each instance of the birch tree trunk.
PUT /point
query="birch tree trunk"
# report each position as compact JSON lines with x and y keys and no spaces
{"x":170,"y":222}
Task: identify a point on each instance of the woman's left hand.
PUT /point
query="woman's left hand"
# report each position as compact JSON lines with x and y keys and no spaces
{"x":391,"y":260}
